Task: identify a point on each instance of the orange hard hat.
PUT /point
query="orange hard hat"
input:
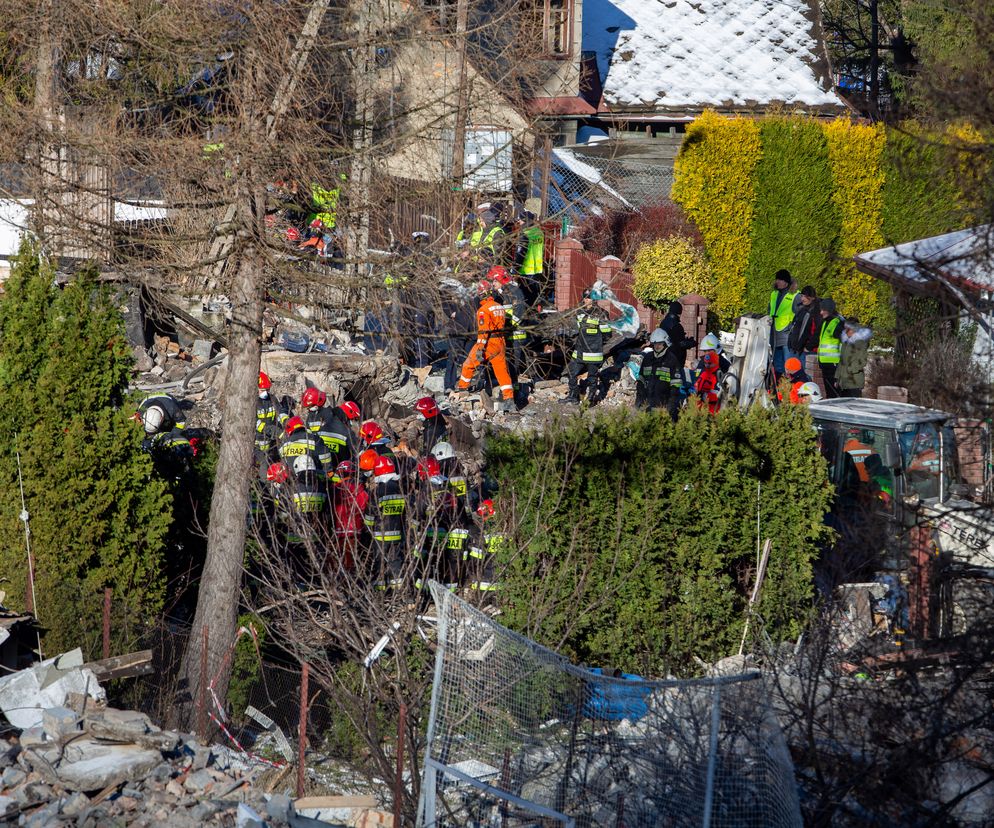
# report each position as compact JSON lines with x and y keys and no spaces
{"x":793,"y":365}
{"x":367,"y":460}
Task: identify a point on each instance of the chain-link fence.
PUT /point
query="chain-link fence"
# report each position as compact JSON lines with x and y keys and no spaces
{"x":519,"y":736}
{"x":582,"y":184}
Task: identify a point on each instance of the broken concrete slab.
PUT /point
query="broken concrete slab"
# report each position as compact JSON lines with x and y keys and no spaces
{"x":26,"y":693}
{"x":86,"y":764}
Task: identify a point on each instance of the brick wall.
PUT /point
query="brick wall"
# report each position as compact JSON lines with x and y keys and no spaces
{"x":577,"y":270}
{"x":971,"y":437}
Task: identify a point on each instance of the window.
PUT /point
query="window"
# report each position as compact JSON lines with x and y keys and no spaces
{"x":557,"y":27}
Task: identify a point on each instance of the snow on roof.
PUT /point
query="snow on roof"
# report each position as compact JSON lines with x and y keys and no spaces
{"x":964,"y":257}
{"x":14,"y":219}
{"x":698,"y":53}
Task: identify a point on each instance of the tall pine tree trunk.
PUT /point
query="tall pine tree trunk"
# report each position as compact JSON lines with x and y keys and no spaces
{"x":217,"y":603}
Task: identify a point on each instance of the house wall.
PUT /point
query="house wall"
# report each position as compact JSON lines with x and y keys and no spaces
{"x":561,"y":77}
{"x":424,"y":83}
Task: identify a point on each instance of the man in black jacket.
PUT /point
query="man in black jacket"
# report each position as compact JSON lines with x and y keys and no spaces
{"x":678,"y":336}
{"x":803,"y":336}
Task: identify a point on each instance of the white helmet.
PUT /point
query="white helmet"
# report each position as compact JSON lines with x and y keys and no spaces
{"x":304,"y":463}
{"x":152,"y":418}
{"x":710,"y":343}
{"x":810,"y":391}
{"x":443,"y":451}
{"x":659,"y":335}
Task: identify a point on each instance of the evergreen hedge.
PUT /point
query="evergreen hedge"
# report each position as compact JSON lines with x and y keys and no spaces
{"x":667,"y":269}
{"x":714,"y":183}
{"x":857,"y":189}
{"x":98,"y":517}
{"x":795,"y":222}
{"x":635,"y":538}
{"x":808,"y":195}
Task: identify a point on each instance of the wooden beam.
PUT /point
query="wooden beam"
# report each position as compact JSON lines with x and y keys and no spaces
{"x":122,"y":666}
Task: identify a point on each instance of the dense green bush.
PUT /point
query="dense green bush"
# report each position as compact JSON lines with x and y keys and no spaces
{"x":919,"y":195}
{"x":666,"y":269}
{"x":795,"y":222}
{"x":98,"y":517}
{"x":635,"y":538}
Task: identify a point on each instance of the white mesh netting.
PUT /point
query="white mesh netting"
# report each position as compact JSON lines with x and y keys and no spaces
{"x":518,"y":736}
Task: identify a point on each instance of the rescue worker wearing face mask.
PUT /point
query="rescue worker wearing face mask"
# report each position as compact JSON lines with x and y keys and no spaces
{"x":660,"y":375}
{"x":592,"y":334}
{"x":333,"y":424}
{"x":271,"y":417}
{"x":386,"y":519}
{"x":434,"y":429}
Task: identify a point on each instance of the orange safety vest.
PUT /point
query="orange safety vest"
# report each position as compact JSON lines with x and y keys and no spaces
{"x":489,"y":320}
{"x":858,"y":452}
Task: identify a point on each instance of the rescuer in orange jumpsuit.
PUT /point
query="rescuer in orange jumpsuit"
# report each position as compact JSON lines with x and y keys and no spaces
{"x":489,"y":347}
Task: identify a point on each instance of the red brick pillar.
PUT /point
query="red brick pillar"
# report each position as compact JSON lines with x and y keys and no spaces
{"x":694,"y":320}
{"x":566,"y":249}
{"x":970,"y":439}
{"x":892,"y":393}
{"x":608,"y":269}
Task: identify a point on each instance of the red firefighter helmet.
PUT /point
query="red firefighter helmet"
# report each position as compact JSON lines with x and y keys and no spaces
{"x":484,"y":288}
{"x":313,"y":398}
{"x":427,"y":407}
{"x":384,"y":465}
{"x":265,"y":383}
{"x":367,"y":460}
{"x":292,"y":234}
{"x":429,"y":467}
{"x":293,"y":424}
{"x":345,"y":469}
{"x":317,"y":223}
{"x":370,"y":432}
{"x":350,"y":410}
{"x":486,"y":509}
{"x":277,"y":473}
{"x":499,"y":274}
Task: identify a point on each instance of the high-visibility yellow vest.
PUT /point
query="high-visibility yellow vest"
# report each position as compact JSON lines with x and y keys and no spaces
{"x":326,"y":204}
{"x":829,"y":342}
{"x":535,"y":254}
{"x":782,"y":312}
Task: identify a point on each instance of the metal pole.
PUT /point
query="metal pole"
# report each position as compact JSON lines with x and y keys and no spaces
{"x":398,"y":781}
{"x":302,"y":729}
{"x":107,"y":595}
{"x":712,"y":757}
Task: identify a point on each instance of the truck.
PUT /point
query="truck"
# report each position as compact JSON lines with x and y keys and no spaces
{"x":902,"y":514}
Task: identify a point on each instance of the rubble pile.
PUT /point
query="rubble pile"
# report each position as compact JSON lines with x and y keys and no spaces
{"x":109,"y":767}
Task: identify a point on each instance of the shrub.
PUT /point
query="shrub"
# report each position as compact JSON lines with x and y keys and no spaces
{"x":669,"y":268}
{"x":98,"y":516}
{"x":622,"y":233}
{"x":714,"y":183}
{"x":795,"y":223}
{"x":631,"y":542}
{"x":855,"y":151}
{"x":919,"y":196}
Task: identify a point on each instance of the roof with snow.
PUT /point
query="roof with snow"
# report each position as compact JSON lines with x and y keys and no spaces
{"x":964,"y":257}
{"x":693,"y":54}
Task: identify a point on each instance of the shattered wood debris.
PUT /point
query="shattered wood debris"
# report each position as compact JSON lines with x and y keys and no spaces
{"x":79,"y":762}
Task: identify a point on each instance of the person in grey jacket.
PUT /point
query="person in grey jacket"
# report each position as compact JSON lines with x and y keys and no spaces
{"x":852,"y":366}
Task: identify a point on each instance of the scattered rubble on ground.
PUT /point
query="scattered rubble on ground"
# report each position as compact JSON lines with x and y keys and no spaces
{"x":90,"y":765}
